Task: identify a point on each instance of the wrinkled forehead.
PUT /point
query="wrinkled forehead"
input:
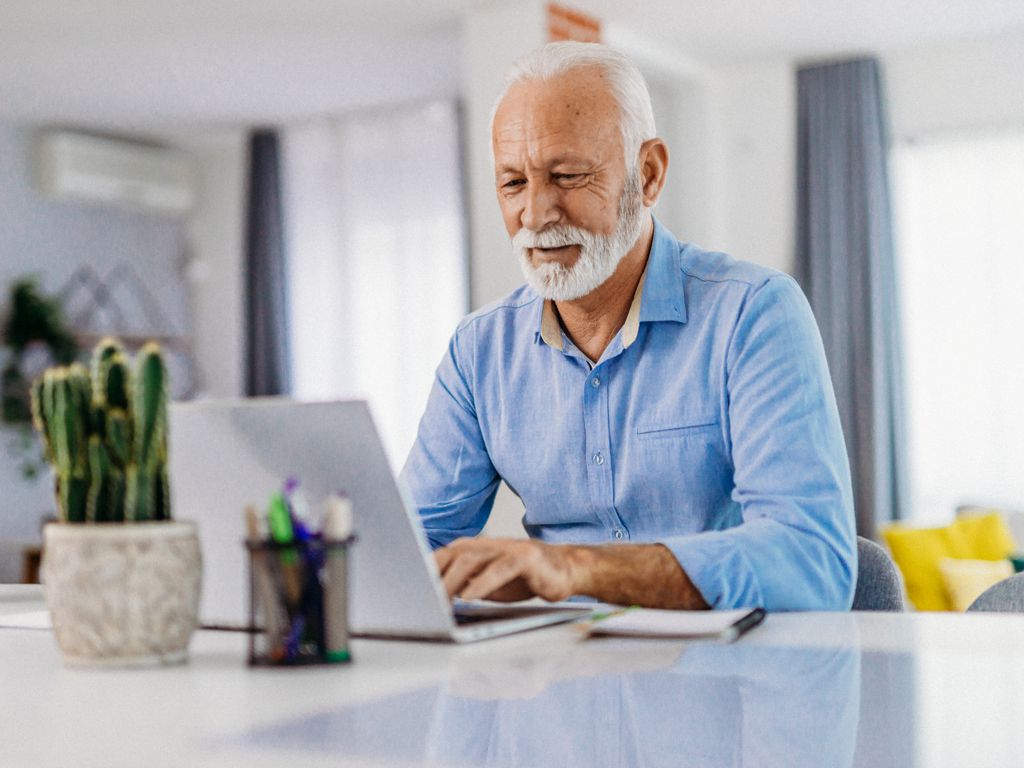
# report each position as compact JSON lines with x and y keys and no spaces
{"x":572,"y":113}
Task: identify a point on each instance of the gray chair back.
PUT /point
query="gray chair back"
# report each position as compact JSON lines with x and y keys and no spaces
{"x":879,"y":584}
{"x":1005,"y":597}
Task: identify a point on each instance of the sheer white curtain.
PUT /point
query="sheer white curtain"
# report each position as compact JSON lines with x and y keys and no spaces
{"x":377,"y":258}
{"x":960,"y":224}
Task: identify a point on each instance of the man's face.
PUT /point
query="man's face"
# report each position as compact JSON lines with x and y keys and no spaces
{"x":562,"y":182}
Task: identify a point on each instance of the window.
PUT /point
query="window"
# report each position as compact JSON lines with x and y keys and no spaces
{"x":959,"y":205}
{"x":377,"y":259}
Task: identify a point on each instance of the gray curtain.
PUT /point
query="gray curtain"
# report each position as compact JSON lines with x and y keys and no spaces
{"x":267,"y":360}
{"x":844,"y":261}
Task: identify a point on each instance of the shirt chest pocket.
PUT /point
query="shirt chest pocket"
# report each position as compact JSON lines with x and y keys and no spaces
{"x":679,"y":463}
{"x":678,"y":428}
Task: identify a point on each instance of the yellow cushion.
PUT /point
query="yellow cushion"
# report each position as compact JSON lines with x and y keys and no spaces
{"x":917,"y":552}
{"x":985,"y":536}
{"x":965,"y":580}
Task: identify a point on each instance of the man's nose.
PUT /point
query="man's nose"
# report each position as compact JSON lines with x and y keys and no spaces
{"x":541,"y":208}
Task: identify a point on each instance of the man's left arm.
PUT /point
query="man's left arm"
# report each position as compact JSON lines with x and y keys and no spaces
{"x":796,"y":548}
{"x":509,"y":570}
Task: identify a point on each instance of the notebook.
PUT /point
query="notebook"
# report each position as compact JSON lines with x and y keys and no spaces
{"x":720,"y":626}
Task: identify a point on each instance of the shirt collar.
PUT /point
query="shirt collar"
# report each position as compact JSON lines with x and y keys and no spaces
{"x":663,"y":287}
{"x":550,"y":328}
{"x":658,"y":295}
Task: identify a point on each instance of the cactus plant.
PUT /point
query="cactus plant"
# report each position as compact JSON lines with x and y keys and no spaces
{"x":105,"y":434}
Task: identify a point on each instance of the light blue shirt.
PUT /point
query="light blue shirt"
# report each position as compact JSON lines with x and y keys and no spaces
{"x":714,"y":432}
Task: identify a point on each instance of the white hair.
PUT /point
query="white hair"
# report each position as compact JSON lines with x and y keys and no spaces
{"x":628,"y":87}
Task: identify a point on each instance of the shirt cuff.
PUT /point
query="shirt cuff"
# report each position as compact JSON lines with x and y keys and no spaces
{"x":718,"y":569}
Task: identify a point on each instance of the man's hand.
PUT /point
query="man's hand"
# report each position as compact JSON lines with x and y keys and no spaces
{"x":506,"y":569}
{"x":513,"y":569}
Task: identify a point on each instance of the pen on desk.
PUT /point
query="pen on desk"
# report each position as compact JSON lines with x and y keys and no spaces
{"x":312,"y":594}
{"x":602,"y":615}
{"x":747,"y":622}
{"x":281,"y":531}
{"x":297,"y":504}
{"x":263,"y":584}
{"x":337,"y":528}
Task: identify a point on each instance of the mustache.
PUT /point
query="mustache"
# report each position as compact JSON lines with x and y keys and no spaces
{"x":557,"y":236}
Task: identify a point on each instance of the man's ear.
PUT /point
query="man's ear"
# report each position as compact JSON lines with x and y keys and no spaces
{"x":653,"y":169}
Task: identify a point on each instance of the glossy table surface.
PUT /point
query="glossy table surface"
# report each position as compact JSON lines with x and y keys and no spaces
{"x":812,"y":689}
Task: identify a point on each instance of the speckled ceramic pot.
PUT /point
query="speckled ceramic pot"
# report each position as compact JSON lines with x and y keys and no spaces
{"x":122,"y":594}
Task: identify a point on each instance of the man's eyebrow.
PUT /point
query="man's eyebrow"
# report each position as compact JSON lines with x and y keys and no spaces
{"x":554,"y":162}
{"x":571,"y":160}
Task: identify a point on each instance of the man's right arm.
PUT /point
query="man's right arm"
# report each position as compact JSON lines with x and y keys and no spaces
{"x":508,"y":570}
{"x":448,"y":472}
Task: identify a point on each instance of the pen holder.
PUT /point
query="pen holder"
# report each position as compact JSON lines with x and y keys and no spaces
{"x":298,"y":602}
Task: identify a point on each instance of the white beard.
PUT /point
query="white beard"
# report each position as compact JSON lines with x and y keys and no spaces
{"x":599,"y":254}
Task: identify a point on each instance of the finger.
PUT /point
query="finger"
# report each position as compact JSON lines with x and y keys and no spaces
{"x":491,"y":578}
{"x":463,"y":566}
{"x":446,"y":554}
{"x":512,"y":592}
{"x":443,"y":557}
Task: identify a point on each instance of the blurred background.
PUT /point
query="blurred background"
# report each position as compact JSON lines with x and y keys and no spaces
{"x":296,"y":198}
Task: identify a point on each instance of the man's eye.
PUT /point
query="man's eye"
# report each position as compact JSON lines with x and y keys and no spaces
{"x":568,"y":176}
{"x":513,"y":183}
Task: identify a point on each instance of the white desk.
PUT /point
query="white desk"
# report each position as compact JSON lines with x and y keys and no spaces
{"x":800,"y":690}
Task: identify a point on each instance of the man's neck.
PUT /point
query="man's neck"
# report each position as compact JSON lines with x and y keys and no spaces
{"x":593,"y":320}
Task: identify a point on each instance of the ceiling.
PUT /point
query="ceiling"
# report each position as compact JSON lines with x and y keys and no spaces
{"x":721,"y":31}
{"x":149,"y":63}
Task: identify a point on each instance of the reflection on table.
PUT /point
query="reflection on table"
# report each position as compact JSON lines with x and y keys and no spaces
{"x":610,"y":703}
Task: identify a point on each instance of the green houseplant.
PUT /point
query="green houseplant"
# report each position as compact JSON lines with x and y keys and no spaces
{"x":34,"y":335}
{"x":121,"y":578}
{"x":106,"y":435}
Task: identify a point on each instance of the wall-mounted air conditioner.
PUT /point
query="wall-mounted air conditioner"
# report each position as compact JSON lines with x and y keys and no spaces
{"x":105,"y":171}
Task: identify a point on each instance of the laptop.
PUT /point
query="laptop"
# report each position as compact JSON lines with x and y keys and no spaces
{"x":227,"y":454}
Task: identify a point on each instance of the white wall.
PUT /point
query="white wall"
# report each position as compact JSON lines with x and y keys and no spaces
{"x":216,"y":234}
{"x":492,"y":38}
{"x":665,"y":107}
{"x":753,"y":163}
{"x":956,"y":87}
{"x":730,"y":134}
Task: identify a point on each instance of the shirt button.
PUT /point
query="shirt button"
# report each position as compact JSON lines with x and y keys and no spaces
{"x":595,"y":382}
{"x":598,"y":458}
{"x":618,"y":534}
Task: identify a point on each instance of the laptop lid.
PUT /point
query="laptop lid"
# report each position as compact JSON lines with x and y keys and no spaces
{"x":227,"y":454}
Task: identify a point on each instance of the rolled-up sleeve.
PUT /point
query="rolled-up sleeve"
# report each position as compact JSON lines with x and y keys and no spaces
{"x":448,"y":473}
{"x":796,"y":547}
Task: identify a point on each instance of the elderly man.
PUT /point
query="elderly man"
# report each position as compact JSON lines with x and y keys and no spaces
{"x":664,"y":413}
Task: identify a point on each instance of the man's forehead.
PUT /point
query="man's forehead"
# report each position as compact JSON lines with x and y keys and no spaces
{"x":565,"y":115}
{"x":580,"y":92}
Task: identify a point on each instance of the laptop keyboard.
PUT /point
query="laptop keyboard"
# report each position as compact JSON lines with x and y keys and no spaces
{"x":466,"y":614}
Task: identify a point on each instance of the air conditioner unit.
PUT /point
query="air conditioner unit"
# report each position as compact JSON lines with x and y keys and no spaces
{"x":117,"y":172}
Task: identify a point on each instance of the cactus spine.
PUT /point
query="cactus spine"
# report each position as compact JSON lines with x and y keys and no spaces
{"x":105,"y":433}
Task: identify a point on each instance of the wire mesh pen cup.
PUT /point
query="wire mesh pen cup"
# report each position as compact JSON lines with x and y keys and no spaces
{"x":298,"y":602}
